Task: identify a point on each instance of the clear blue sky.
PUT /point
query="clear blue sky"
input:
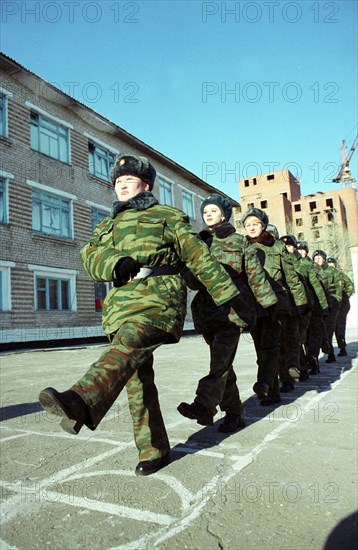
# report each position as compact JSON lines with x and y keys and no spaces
{"x":226,"y":89}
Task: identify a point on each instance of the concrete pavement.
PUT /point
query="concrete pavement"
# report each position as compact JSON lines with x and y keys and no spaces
{"x":286,"y":481}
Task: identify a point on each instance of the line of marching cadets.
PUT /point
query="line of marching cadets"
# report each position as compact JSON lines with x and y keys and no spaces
{"x":258,"y":282}
{"x":312,"y":303}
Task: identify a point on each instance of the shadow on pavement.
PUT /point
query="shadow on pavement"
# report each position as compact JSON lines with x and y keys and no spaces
{"x":22,"y":409}
{"x":209,"y":436}
{"x":345,"y":535}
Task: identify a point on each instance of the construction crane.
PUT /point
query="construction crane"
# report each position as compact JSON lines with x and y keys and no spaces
{"x":344,"y":175}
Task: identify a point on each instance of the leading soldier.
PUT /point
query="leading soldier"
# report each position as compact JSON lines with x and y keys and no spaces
{"x":141,"y":248}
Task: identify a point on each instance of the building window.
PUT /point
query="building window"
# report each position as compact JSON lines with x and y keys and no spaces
{"x":271,"y":177}
{"x":3,"y":115}
{"x":188,"y":204}
{"x":299,"y":222}
{"x":100,"y":292}
{"x":330,"y":216}
{"x":3,"y":201}
{"x":263,"y":204}
{"x":100,"y":161}
{"x":51,"y":214}
{"x":329,"y":203}
{"x":313,"y":206}
{"x":166,"y":192}
{"x":5,"y":285}
{"x":316,"y":234}
{"x":301,"y":236}
{"x":97,"y":216}
{"x":297,"y":208}
{"x":284,"y":195}
{"x":52,"y":294}
{"x":49,"y":137}
{"x":246,"y":183}
{"x":55,"y":288}
{"x":255,"y":181}
{"x":314,"y":220}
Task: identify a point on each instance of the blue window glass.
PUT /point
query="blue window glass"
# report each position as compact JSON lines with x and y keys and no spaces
{"x":51,"y":214}
{"x":165,"y":192}
{"x":52,"y":294}
{"x":100,"y":161}
{"x":49,"y":137}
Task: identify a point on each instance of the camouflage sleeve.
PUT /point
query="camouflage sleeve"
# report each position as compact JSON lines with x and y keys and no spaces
{"x":294,"y":284}
{"x":99,"y":256}
{"x":317,"y":288}
{"x":198,"y":258}
{"x":338,"y":283}
{"x":348,"y":285}
{"x":256,"y":277}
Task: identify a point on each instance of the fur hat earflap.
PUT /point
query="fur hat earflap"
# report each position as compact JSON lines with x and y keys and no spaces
{"x":129,"y":165}
{"x":223,"y":203}
{"x":256,"y":213}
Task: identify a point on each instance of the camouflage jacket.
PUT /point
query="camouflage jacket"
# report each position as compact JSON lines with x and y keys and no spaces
{"x":332,"y":284}
{"x":314,"y":289}
{"x":154,"y":235}
{"x":241,"y":262}
{"x":347,"y":284}
{"x":280,"y":271}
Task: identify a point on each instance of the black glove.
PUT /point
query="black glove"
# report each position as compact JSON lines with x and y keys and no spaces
{"x":124,"y":270}
{"x":245,"y":307}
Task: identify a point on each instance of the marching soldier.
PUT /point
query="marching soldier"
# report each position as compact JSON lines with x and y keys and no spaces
{"x":267,"y":332}
{"x":141,"y":248}
{"x":333,"y":288}
{"x":347,"y":291}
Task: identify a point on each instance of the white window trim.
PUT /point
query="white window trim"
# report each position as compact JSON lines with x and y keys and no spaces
{"x":100,"y":143}
{"x":98,"y":206}
{"x":5,"y":268}
{"x":193,"y":200}
{"x":51,"y":190}
{"x":6,"y":177}
{"x":42,"y":271}
{"x":7,"y":95}
{"x":169,"y":180}
{"x":40,"y":111}
{"x":189,"y":191}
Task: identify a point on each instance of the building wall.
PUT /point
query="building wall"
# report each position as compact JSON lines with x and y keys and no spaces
{"x":24,"y":250}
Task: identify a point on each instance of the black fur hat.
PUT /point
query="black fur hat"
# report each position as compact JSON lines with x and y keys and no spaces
{"x":257,"y":213}
{"x":319,"y":253}
{"x":129,"y":165}
{"x":302,"y":245}
{"x":290,"y":240}
{"x":331,"y":261}
{"x":221,"y":202}
{"x":272,"y":229}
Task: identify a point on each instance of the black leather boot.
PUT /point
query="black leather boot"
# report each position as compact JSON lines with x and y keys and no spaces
{"x":231,"y":423}
{"x":69,"y":405}
{"x":331,"y":358}
{"x":148,"y":467}
{"x":196,"y":411}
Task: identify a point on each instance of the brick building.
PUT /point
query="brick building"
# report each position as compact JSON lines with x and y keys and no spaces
{"x":328,"y":221}
{"x":56,"y":156}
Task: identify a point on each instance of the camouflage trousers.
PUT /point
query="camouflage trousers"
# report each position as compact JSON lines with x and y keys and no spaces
{"x":303,"y":329}
{"x":219,"y":388}
{"x":340,"y":331}
{"x":129,"y":363}
{"x":266,"y":335}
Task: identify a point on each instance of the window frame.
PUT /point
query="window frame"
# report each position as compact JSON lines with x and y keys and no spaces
{"x":164,"y":185}
{"x":52,"y":193}
{"x":59,"y":275}
{"x":104,"y":153}
{"x":4,"y":176}
{"x":5,"y":286}
{"x":187,"y":195}
{"x":49,"y":119}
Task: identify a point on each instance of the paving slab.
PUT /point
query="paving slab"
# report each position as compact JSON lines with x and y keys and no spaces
{"x":288,"y":480}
